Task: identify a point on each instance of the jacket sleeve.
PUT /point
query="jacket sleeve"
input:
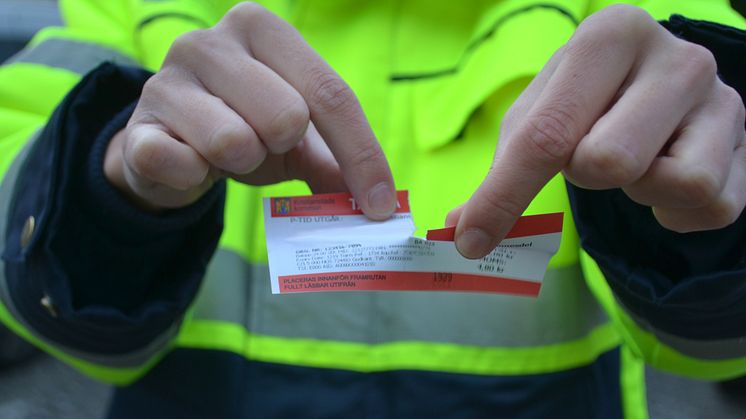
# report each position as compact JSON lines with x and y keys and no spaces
{"x":84,"y":275}
{"x":679,"y":299}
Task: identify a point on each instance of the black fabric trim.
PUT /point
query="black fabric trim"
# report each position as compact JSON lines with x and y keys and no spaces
{"x":151,"y":19}
{"x":479,"y":41}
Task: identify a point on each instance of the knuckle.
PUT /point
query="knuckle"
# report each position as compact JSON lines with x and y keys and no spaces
{"x":629,"y":16}
{"x":186,"y":45}
{"x":229,"y":148}
{"x":287,"y":126}
{"x":370,"y":155}
{"x":154,"y":87}
{"x":510,"y":120}
{"x":503,"y":207}
{"x":734,"y":102}
{"x":550,"y":134}
{"x":700,"y":186}
{"x":160,"y":92}
{"x":624,"y":12}
{"x":591,"y":42}
{"x":193,"y":51}
{"x":614,"y":24}
{"x":696,"y":63}
{"x":245,"y":13}
{"x":614,"y":164}
{"x":330,"y":93}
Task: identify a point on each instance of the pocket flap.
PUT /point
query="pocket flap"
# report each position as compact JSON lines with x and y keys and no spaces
{"x":517,"y":46}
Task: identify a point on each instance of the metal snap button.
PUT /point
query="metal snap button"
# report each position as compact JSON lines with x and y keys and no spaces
{"x":47,"y":303}
{"x":28,"y":231}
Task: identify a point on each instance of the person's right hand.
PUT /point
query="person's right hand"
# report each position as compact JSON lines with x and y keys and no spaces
{"x":238,"y":100}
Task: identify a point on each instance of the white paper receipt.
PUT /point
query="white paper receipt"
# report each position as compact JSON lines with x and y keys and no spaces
{"x":324,"y":243}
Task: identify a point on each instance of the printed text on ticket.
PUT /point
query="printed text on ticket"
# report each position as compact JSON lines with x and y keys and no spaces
{"x":324,"y":243}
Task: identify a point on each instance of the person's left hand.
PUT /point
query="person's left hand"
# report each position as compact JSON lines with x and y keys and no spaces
{"x":624,"y":104}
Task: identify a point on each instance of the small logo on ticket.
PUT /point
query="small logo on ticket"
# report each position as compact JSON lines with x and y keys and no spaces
{"x":282,"y":206}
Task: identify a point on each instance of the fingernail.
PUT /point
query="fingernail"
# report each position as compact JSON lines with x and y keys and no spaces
{"x":474,"y":243}
{"x":381,"y":200}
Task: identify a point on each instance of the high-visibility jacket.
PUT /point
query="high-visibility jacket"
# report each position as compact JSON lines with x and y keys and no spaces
{"x":434,"y":79}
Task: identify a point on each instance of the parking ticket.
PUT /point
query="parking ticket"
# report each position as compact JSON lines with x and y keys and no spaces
{"x":322,"y":243}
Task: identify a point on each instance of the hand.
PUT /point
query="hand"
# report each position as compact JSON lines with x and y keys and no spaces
{"x":624,"y":104}
{"x":236,"y":101}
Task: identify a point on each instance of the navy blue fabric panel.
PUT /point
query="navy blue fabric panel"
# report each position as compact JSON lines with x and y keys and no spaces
{"x":199,"y":384}
{"x":691,"y":285}
{"x":117,"y":276}
{"x":156,"y":261}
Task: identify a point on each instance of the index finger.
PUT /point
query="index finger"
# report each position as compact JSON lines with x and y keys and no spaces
{"x":582,"y":86}
{"x":334,"y":108}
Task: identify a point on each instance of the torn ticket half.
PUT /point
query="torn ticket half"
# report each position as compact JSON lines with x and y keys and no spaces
{"x":321,"y":243}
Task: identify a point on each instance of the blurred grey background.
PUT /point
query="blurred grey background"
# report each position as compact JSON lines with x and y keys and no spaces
{"x":43,"y":388}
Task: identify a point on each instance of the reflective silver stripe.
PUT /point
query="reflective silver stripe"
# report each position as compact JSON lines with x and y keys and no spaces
{"x":237,"y":292}
{"x":711,"y":350}
{"x":129,"y":360}
{"x":78,"y":57}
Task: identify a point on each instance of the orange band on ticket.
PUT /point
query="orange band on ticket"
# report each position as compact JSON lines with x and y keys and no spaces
{"x":326,"y":204}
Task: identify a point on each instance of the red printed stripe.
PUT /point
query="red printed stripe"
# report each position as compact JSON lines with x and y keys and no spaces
{"x":529,"y":225}
{"x":441,"y":234}
{"x":326,"y":204}
{"x":534,"y":225}
{"x":405,"y":281}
